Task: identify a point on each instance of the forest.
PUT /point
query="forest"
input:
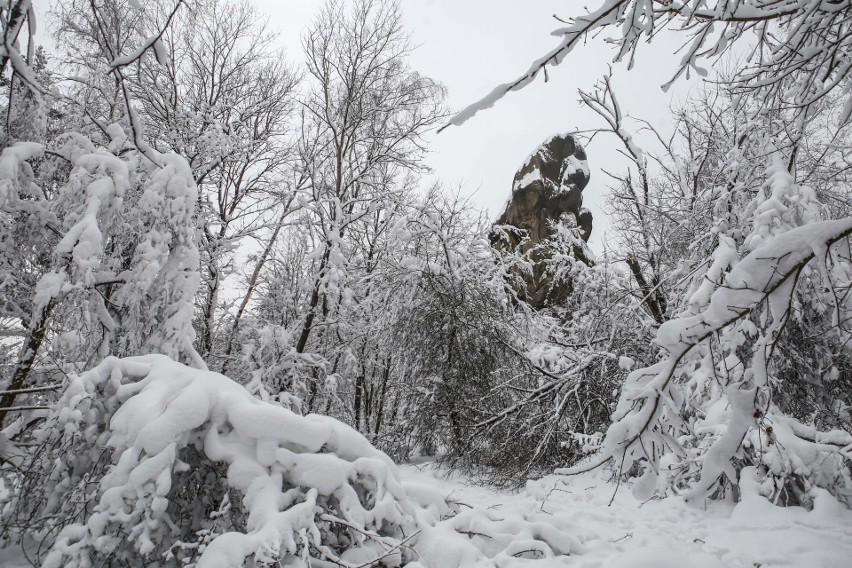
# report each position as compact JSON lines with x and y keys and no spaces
{"x":243,"y":323}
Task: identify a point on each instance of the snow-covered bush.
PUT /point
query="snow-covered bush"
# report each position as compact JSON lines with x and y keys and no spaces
{"x":497,"y":388}
{"x":146,"y":460}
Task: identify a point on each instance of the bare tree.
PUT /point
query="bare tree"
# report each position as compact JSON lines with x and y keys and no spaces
{"x":224,"y":99}
{"x":363,"y":123}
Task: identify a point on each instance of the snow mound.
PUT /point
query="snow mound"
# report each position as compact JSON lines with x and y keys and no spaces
{"x":313,"y":490}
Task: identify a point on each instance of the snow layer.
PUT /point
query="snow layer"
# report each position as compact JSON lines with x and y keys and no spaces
{"x":576,"y":514}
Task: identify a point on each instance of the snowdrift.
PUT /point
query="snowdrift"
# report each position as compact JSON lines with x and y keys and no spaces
{"x":309,"y":486}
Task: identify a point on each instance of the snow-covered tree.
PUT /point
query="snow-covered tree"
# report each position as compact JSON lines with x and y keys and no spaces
{"x":724,"y":190}
{"x":215,"y":91}
{"x":107,"y":227}
{"x":225,"y":101}
{"x":360,"y":149}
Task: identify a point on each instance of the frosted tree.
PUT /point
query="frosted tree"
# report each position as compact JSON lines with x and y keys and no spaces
{"x":230,"y":116}
{"x":119,"y":270}
{"x":715,"y":170}
{"x":360,"y":149}
{"x":215,"y":91}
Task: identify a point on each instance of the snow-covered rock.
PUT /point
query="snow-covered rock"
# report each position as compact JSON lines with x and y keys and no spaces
{"x":547,"y":195}
{"x":549,"y":186}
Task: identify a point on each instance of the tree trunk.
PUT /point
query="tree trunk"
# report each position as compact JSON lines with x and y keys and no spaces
{"x":255,"y":275}
{"x":26,"y":359}
{"x":651,"y":297}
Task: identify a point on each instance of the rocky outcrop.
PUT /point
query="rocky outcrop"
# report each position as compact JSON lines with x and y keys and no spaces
{"x":546,"y":191}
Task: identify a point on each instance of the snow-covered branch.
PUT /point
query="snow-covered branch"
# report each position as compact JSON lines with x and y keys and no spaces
{"x":640,"y":429}
{"x":802,"y":51}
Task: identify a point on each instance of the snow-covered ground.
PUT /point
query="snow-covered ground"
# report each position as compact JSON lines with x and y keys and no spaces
{"x":575,"y":518}
{"x":656,"y":534}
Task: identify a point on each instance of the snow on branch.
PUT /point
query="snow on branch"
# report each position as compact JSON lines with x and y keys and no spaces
{"x":608,"y":14}
{"x":639,"y":430}
{"x":13,"y":18}
{"x":153,"y":42}
{"x":15,"y":173}
{"x":799,"y":49}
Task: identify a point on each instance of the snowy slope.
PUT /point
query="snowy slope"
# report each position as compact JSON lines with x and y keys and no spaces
{"x":656,"y":534}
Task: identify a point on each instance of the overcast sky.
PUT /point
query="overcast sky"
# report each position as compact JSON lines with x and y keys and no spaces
{"x":473,"y":45}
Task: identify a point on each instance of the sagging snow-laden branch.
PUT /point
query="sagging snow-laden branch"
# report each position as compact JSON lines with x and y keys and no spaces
{"x":798,"y":50}
{"x":642,"y":428}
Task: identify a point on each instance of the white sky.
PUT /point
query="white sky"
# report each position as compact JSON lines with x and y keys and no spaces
{"x":473,"y":45}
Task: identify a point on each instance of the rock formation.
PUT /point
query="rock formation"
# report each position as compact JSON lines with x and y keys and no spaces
{"x":546,"y":191}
